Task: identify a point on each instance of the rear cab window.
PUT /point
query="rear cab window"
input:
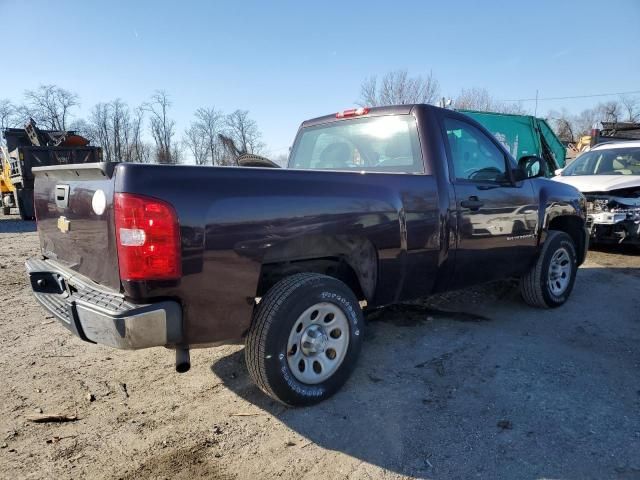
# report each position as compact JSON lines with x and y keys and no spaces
{"x":375,"y":144}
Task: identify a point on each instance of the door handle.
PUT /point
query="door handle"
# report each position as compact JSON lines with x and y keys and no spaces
{"x":472,"y":204}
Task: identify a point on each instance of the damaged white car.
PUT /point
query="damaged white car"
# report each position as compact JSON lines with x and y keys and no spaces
{"x":609,"y":177}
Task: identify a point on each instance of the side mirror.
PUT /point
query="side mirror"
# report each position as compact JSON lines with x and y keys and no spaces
{"x":558,"y":171}
{"x":531,"y":166}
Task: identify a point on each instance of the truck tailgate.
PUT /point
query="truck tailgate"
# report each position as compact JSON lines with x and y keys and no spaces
{"x":74,"y":209}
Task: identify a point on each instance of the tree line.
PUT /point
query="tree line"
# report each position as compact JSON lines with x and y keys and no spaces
{"x":397,"y":87}
{"x":145,"y":133}
{"x":570,"y":127}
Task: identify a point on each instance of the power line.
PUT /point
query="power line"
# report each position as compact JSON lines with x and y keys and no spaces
{"x":571,"y":97}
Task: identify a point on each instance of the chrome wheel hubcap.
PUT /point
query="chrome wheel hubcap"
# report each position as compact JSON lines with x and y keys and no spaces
{"x":318,"y":343}
{"x":559,"y":272}
{"x":314,"y":340}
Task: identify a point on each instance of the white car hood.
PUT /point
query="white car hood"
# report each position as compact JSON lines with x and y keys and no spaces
{"x":599,"y":183}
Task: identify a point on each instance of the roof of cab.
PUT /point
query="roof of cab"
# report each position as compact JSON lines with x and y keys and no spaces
{"x":373,"y":112}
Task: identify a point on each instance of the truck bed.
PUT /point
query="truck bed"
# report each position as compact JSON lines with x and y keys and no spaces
{"x":235,"y":220}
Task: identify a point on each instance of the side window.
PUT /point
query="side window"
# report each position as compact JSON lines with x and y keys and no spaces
{"x":475,"y":157}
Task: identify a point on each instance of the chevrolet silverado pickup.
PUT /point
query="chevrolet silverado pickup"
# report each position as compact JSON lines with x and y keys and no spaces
{"x":376,"y":206}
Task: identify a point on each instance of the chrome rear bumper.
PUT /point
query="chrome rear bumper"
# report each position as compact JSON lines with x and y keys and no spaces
{"x":99,"y":315}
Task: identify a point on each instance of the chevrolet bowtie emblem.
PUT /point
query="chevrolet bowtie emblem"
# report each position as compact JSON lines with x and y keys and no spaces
{"x":63,"y":224}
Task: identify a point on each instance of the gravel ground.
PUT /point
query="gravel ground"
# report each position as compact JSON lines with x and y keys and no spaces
{"x":473,"y":384}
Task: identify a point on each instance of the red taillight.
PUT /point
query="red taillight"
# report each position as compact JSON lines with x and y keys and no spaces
{"x":148,"y":238}
{"x":353,"y":112}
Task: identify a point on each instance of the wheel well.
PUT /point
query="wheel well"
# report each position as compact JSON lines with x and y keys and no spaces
{"x":336,"y":267}
{"x":574,"y":227}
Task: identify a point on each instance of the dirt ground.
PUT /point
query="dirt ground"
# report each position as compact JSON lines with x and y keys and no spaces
{"x":470,"y":385}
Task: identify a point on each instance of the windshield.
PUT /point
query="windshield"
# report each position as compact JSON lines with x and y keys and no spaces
{"x":610,"y":161}
{"x":377,"y":144}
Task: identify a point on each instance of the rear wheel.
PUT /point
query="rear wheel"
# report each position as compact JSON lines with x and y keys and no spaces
{"x":305,"y":339}
{"x":550,"y":281}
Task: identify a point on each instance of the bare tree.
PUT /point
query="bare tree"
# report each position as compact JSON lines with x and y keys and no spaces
{"x":7,"y":111}
{"x":570,"y":127}
{"x":50,"y":105}
{"x":590,"y":118}
{"x":210,"y":122}
{"x":231,"y":151}
{"x":244,"y":133}
{"x":117,"y":130}
{"x":474,"y":99}
{"x":397,"y":88}
{"x":146,"y":153}
{"x":84,"y":128}
{"x":139,"y":151}
{"x":120,"y":125}
{"x":565,"y":130}
{"x":631,"y":106}
{"x":177,"y":152}
{"x":99,"y":129}
{"x":162,"y":127}
{"x":197,"y":144}
{"x":585,"y":121}
{"x":609,"y":111}
{"x":563,"y":123}
{"x":480,"y":99}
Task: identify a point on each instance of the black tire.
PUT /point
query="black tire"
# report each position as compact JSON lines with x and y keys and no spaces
{"x":535,"y":285}
{"x":17,"y":196}
{"x":518,"y":227}
{"x":274,"y":318}
{"x":24,"y":202}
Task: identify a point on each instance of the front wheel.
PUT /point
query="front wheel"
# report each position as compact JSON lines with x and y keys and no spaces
{"x":550,"y":281}
{"x":305,"y":339}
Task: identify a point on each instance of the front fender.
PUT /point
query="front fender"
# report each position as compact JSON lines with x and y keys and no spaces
{"x":562,"y":207}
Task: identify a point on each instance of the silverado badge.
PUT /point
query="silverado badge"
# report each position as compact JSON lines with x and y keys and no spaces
{"x":63,"y":224}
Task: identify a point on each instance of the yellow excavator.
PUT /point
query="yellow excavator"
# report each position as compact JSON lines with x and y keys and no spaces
{"x":7,"y":190}
{"x":582,"y":145}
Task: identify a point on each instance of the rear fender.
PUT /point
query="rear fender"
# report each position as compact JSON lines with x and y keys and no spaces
{"x":358,"y":253}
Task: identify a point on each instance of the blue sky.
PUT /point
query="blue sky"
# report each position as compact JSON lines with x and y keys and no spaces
{"x":288,"y":61}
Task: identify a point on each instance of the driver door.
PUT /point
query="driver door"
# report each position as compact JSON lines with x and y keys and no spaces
{"x":496,"y":217}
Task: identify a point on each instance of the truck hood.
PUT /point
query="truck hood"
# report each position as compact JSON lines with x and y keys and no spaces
{"x":600,"y":183}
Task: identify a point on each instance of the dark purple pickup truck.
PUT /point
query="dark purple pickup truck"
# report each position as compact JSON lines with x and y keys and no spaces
{"x":376,"y":206}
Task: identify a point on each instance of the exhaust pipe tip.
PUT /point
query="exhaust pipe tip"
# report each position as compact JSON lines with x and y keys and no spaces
{"x":183,"y":362}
